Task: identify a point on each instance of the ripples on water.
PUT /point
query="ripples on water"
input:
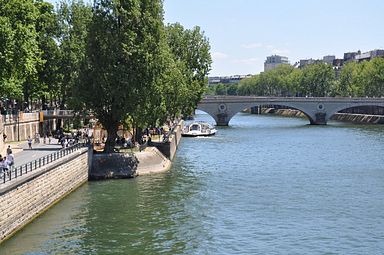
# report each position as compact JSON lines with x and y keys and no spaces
{"x":264,"y":185}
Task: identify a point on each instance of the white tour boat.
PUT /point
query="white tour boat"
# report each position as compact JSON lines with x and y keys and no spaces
{"x":198,"y":128}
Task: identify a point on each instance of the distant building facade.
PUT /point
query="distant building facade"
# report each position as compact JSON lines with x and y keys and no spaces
{"x":366,"y":56}
{"x":305,"y":62}
{"x":274,"y":61}
{"x":329,"y":59}
{"x":348,"y":57}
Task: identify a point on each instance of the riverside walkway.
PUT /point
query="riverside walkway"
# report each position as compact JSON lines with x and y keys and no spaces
{"x":29,"y":162}
{"x":24,"y":155}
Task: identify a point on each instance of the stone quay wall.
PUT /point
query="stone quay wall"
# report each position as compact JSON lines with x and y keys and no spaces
{"x":169,"y":148}
{"x":26,"y":197}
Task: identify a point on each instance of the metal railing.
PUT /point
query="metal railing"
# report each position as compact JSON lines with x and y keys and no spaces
{"x":16,"y":172}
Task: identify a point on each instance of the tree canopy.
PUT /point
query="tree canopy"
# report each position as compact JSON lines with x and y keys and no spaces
{"x":318,"y":80}
{"x":132,"y":71}
{"x":115,"y":58}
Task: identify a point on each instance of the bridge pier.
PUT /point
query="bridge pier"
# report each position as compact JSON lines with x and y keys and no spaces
{"x":222,"y":119}
{"x":319,"y":119}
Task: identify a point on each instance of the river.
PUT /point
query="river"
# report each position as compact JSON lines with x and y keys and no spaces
{"x":263,"y":185}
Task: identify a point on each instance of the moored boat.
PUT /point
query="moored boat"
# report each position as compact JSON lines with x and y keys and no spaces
{"x":198,"y":128}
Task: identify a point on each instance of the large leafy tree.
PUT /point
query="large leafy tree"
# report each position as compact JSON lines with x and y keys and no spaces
{"x":372,"y":78}
{"x":190,"y":49}
{"x":74,"y":18}
{"x":123,"y":60}
{"x":20,"y":54}
{"x":277,"y":82}
{"x":348,"y":84}
{"x":47,"y":29}
{"x":317,"y":80}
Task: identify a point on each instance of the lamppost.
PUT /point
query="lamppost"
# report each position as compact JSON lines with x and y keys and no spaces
{"x":17,"y":121}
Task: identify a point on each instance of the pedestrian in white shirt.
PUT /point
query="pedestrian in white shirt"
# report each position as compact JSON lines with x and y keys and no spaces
{"x":10,"y":159}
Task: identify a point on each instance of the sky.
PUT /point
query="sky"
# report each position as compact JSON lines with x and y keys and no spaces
{"x":242,"y":33}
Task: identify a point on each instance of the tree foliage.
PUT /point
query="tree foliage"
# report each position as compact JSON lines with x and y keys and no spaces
{"x":116,"y":58}
{"x":20,"y":54}
{"x":190,"y":51}
{"x":318,"y":80}
{"x":73,"y":20}
{"x":123,"y":61}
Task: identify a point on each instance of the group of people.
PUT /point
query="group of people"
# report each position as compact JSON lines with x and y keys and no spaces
{"x":7,"y":161}
{"x":73,"y":138}
{"x":37,"y":140}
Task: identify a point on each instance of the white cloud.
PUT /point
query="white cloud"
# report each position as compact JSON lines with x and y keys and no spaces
{"x":219,"y":55}
{"x":252,"y":45}
{"x":269,"y":47}
{"x":247,"y":61}
{"x":280,"y":51}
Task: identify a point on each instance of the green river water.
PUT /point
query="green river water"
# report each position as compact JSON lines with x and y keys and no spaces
{"x":263,"y":185}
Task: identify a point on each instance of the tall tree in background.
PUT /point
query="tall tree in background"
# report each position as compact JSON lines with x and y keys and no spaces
{"x":317,"y":80}
{"x":74,"y":18}
{"x":47,"y":29}
{"x":348,"y":84}
{"x":190,"y":50}
{"x":373,"y":78}
{"x":20,"y":55}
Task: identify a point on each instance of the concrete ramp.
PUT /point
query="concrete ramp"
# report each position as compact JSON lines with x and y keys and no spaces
{"x":151,"y":161}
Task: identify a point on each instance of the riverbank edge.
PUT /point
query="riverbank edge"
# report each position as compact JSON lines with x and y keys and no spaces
{"x":14,"y":232}
{"x":158,"y":161}
{"x":67,"y":178}
{"x":343,"y":117}
{"x":155,"y":162}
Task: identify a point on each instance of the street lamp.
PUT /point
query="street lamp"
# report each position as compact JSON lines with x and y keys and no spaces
{"x":17,"y":121}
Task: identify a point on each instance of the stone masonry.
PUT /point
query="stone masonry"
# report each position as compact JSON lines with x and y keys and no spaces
{"x":25,"y":198}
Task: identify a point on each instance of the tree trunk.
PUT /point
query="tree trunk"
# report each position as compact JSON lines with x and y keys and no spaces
{"x":138,"y":135}
{"x":111,"y":138}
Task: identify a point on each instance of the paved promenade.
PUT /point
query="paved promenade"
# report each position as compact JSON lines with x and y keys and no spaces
{"x":24,"y":155}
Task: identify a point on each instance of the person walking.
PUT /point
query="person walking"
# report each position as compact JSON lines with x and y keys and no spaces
{"x":29,"y":142}
{"x":1,"y":164}
{"x":5,"y":164}
{"x":10,"y":159}
{"x":9,"y":150}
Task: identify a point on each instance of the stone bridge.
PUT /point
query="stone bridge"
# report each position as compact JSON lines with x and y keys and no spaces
{"x":318,"y":109}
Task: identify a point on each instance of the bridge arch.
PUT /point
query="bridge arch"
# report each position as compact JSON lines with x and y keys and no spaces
{"x":345,"y":107}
